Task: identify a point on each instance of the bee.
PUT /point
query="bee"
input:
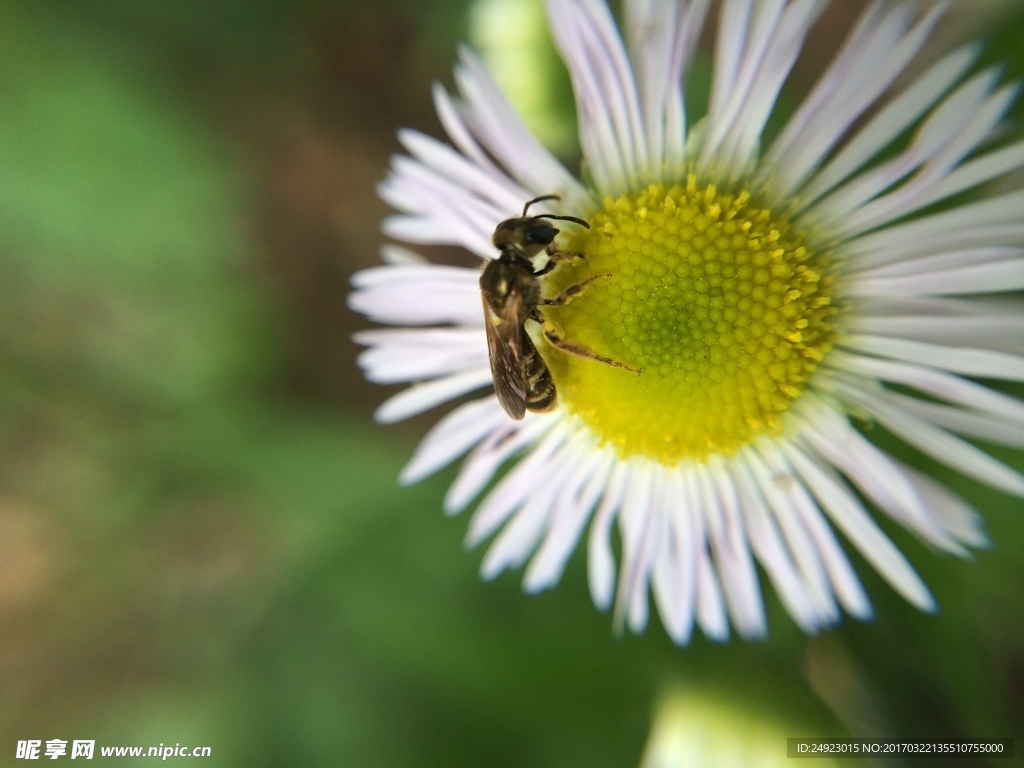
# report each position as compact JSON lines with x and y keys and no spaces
{"x":511,"y":295}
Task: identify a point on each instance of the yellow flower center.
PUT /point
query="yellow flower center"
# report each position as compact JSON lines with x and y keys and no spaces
{"x":719,"y":302}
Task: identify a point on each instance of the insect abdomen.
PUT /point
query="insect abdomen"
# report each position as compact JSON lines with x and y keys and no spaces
{"x":540,"y":387}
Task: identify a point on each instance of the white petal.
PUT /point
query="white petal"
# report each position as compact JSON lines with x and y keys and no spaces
{"x":772,"y":553}
{"x":733,"y":24}
{"x":841,"y":574}
{"x":597,"y":135}
{"x":968,"y":423}
{"x":676,"y":579}
{"x":606,"y":98}
{"x":729,"y":544}
{"x":847,"y":210}
{"x":493,"y":186}
{"x":744,"y":32}
{"x":419,"y":338}
{"x":795,"y":544}
{"x":666,"y":585}
{"x":874,"y":55}
{"x":516,"y":487}
{"x":878,"y":476}
{"x":936,"y":383}
{"x":417,"y":354}
{"x":501,"y":131}
{"x":891,"y":121}
{"x":637,"y":526}
{"x":870,"y":31}
{"x":935,"y":181}
{"x":848,"y":514}
{"x":936,"y":442}
{"x":662,"y":40}
{"x":459,"y":133}
{"x":619,"y":84}
{"x":422,"y":230}
{"x":451,"y":437}
{"x":397,"y":256}
{"x":520,"y":536}
{"x":935,"y":261}
{"x":712,"y":615}
{"x":954,"y":514}
{"x":949,"y":322}
{"x":600,"y":559}
{"x":997,"y":277}
{"x":977,"y":171}
{"x":990,"y":222}
{"x":980,"y":331}
{"x":575,"y":503}
{"x":964,"y":360}
{"x":418,"y":294}
{"x":786,"y":43}
{"x":433,"y":275}
{"x":440,"y":210}
{"x":638,"y":607}
{"x":776,"y":35}
{"x":482,"y":464}
{"x":871,"y":470}
{"x":669,"y":578}
{"x":711,"y":607}
{"x":422,"y":397}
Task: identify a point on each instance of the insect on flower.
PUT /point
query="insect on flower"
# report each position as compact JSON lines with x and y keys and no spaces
{"x":511,"y":295}
{"x":775,"y":287}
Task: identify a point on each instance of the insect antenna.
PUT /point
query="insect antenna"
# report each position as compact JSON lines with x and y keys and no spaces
{"x":581,"y":222}
{"x":538,"y":200}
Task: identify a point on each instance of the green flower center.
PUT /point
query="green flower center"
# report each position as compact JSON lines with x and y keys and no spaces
{"x":719,"y":302}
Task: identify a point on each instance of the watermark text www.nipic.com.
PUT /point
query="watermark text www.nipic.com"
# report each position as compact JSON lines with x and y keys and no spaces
{"x":86,"y":749}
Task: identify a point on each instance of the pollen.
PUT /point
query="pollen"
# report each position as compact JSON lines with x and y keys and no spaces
{"x":722,"y":305}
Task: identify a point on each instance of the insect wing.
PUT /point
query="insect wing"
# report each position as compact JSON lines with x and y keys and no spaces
{"x":505,"y":348}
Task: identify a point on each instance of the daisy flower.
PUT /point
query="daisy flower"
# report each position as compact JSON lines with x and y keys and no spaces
{"x":773,"y":293}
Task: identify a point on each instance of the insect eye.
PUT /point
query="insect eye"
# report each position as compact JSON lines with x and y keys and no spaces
{"x":542,"y":234}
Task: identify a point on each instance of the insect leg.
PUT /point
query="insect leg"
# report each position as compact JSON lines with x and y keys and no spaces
{"x":572,"y":291}
{"x":554,"y":338}
{"x":555,"y":257}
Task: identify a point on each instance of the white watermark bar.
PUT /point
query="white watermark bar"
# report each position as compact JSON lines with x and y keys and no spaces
{"x":902,"y":748}
{"x":86,"y":749}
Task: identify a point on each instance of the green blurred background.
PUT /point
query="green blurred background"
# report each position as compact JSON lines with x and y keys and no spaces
{"x":201,"y":536}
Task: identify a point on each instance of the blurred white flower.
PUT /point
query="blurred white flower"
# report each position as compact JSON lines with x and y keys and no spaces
{"x":699,"y":731}
{"x":769,"y":292}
